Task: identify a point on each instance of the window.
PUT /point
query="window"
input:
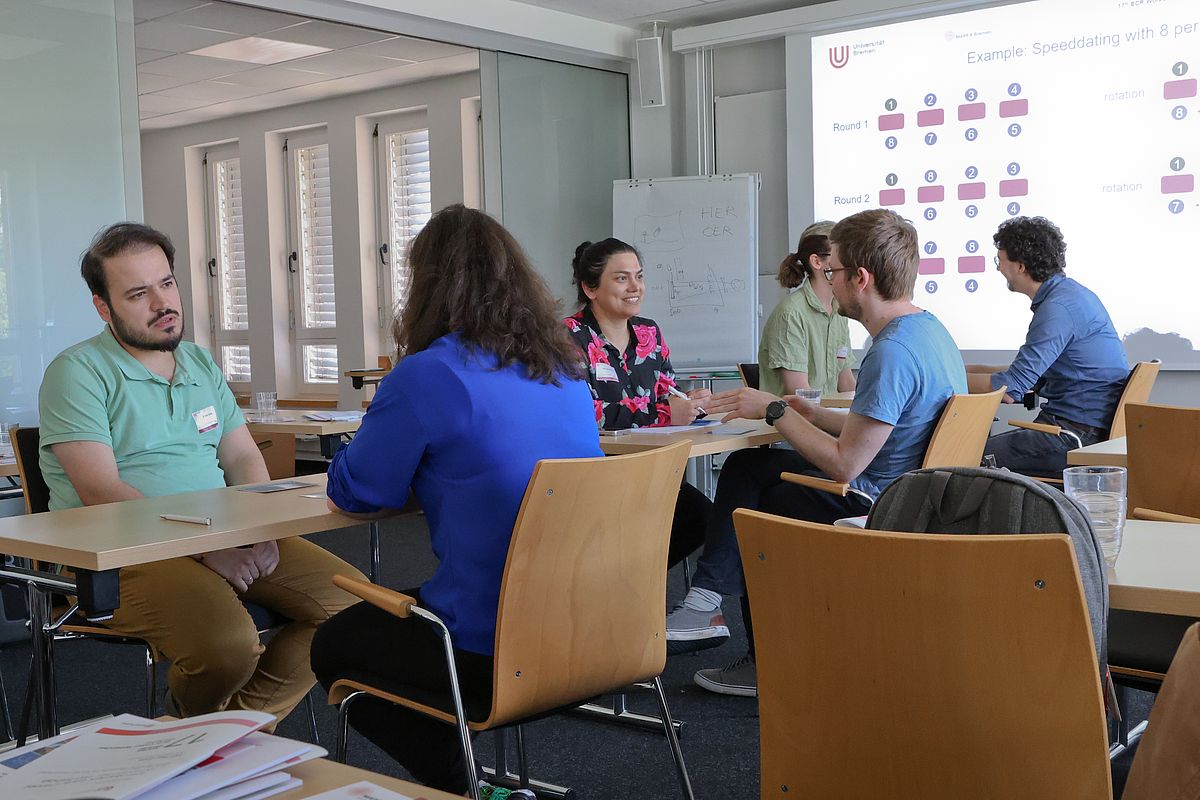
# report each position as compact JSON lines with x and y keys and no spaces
{"x":228,"y":307}
{"x":314,"y":312}
{"x":405,"y":205}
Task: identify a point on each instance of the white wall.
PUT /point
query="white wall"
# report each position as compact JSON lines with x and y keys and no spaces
{"x":173,"y":189}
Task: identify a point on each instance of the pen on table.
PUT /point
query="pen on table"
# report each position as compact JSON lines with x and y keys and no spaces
{"x":185,"y":518}
{"x":700,"y":412}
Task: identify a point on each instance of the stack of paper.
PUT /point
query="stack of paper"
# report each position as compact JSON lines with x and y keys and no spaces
{"x":219,"y":756}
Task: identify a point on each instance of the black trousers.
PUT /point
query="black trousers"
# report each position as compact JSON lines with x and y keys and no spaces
{"x":404,"y":656}
{"x":692,"y":511}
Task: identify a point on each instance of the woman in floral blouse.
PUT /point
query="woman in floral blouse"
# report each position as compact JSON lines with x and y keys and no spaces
{"x":629,"y":366}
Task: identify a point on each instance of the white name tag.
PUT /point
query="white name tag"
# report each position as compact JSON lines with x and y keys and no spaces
{"x":605,"y":372}
{"x":205,"y":419}
{"x":843,"y":352}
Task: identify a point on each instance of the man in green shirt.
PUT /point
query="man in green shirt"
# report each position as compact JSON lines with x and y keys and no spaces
{"x":134,"y":412}
{"x":806,"y":343}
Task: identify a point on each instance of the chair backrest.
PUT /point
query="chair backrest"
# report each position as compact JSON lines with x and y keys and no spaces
{"x":749,"y":373}
{"x":581,"y":603}
{"x":1162,"y":443}
{"x":921,"y":666}
{"x":962,"y":430}
{"x":1137,"y":390}
{"x":26,"y":443}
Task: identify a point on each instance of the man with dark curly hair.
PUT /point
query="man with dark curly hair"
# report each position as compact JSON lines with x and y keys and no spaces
{"x":1071,"y":347}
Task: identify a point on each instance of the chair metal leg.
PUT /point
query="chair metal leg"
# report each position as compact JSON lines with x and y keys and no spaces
{"x":151,"y":685}
{"x":620,"y":714}
{"x":312,"y":718}
{"x":685,"y":784}
{"x":522,"y":761}
{"x":374,"y":568}
{"x":342,"y":731}
{"x":6,"y":716}
{"x":687,"y":572}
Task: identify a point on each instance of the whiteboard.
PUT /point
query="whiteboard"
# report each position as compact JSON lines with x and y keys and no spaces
{"x":698,"y":238}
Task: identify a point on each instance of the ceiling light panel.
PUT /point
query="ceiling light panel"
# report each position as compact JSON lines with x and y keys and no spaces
{"x":259,"y":50}
{"x":328,"y":35}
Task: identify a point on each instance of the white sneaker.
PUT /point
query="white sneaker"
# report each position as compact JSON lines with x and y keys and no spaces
{"x":689,"y":630}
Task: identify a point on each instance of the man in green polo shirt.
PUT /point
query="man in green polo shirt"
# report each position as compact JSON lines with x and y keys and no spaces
{"x":135,"y":412}
{"x":806,"y":343}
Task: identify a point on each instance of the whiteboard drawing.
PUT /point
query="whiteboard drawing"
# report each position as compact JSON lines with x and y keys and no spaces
{"x":658,"y":234}
{"x":709,"y":291}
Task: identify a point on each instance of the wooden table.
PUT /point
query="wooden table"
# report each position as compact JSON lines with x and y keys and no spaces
{"x":837,"y":400}
{"x":1110,"y":453}
{"x":704,"y":441}
{"x":292,"y":421}
{"x":360,"y":377}
{"x":322,"y":775}
{"x":99,"y":540}
{"x":1158,"y":569}
{"x":8,"y":467}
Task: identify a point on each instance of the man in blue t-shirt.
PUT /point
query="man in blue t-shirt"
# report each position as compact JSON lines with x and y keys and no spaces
{"x":906,"y":378}
{"x":1071,"y":346}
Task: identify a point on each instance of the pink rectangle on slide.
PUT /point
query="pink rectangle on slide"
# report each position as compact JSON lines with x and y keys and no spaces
{"x":1174,"y":184}
{"x":930,"y":116}
{"x":931,"y":266}
{"x":1017,"y":187}
{"x":972,"y":191}
{"x":1174,"y":90}
{"x":972,"y":264}
{"x":931,"y":194}
{"x":891,"y":122}
{"x":891,"y":197}
{"x":972,"y":111}
{"x":1014,"y":108}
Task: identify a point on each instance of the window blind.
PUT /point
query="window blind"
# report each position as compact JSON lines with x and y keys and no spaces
{"x":409,"y":205}
{"x":235,"y":362}
{"x":318,"y":308}
{"x":320,"y":363}
{"x":231,"y":251}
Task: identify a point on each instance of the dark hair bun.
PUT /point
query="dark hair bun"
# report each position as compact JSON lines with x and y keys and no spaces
{"x":579,"y":251}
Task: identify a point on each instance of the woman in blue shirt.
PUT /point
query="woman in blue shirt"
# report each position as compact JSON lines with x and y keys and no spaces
{"x":488,"y":384}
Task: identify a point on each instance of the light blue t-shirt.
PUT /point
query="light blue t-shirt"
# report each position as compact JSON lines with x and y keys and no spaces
{"x":911,"y":370}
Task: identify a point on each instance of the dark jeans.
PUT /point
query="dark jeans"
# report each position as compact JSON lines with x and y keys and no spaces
{"x":692,"y":511}
{"x":404,"y":656}
{"x":1040,"y":454}
{"x":750,"y":479}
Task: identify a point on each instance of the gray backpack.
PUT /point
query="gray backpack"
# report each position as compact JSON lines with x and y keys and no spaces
{"x":967,"y":500}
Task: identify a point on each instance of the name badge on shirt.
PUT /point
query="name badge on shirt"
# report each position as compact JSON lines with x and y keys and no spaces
{"x":605,"y":372}
{"x":843,"y":352}
{"x":205,"y":419}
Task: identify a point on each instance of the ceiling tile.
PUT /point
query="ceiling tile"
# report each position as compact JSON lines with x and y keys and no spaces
{"x":145,"y":54}
{"x":275,"y":78}
{"x":176,"y":38}
{"x":409,"y":49}
{"x":205,"y":92}
{"x":152,"y":9}
{"x":328,"y":34}
{"x":147,"y":83}
{"x":196,"y":68}
{"x":235,"y":19}
{"x":158,"y":104}
{"x":338,"y":64}
{"x":613,"y":10}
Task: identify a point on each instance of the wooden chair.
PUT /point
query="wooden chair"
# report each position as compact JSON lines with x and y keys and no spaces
{"x":1137,"y":390}
{"x":26,"y":444}
{"x":749,"y":373}
{"x":581,"y":608}
{"x":930,"y":666}
{"x":957,"y":441}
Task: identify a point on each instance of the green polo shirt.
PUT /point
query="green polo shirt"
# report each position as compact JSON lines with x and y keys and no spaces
{"x":800,"y":336}
{"x":163,"y":434}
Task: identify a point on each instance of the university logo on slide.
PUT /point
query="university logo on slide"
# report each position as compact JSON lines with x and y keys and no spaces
{"x":839,"y":56}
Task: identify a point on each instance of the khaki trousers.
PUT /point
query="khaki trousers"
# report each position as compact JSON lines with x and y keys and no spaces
{"x":195,"y":619}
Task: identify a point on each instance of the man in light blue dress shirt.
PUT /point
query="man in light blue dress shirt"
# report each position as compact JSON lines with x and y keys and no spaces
{"x":1071,"y":346}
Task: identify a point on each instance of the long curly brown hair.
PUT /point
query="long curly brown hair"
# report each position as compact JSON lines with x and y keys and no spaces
{"x":467,"y":274}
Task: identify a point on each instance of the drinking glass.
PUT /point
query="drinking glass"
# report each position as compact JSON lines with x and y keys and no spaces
{"x":811,"y":395}
{"x":265,"y":402}
{"x":1101,"y":491}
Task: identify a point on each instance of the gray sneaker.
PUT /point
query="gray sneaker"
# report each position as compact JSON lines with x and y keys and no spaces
{"x":689,"y":630}
{"x":739,"y":678}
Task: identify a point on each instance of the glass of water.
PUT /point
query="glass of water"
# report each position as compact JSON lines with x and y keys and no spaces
{"x":811,"y":395}
{"x":1101,"y":490}
{"x":264,"y":403}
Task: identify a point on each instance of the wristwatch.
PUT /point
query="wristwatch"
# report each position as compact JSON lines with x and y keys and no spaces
{"x":775,"y":410}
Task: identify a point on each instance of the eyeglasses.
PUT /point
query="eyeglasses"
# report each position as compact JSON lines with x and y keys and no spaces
{"x":996,"y":260}
{"x":830,"y":270}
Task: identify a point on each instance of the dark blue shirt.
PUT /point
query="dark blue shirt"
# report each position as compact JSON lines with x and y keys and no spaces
{"x":1072,"y":342}
{"x":464,"y":437}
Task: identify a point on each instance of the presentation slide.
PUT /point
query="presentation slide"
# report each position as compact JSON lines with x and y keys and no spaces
{"x":1081,"y":111}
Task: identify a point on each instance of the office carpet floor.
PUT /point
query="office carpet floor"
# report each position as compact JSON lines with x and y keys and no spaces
{"x":598,"y":760}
